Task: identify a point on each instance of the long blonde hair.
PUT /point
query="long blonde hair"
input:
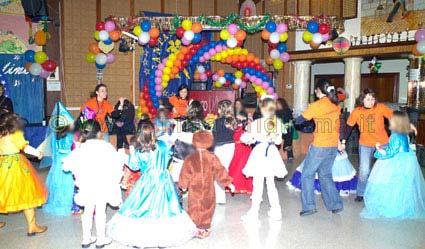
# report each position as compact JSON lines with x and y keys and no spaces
{"x":225,"y":110}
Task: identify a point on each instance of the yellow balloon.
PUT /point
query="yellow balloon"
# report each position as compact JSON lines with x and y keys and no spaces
{"x":224,"y":54}
{"x":307,"y":36}
{"x":277,"y":64}
{"x":137,"y":30}
{"x":167,"y":70}
{"x":169,"y":63}
{"x":238,"y":74}
{"x":284,"y":37}
{"x":245,"y":51}
{"x":213,"y":58}
{"x":217,"y":84}
{"x":224,"y":34}
{"x":230,"y":51}
{"x":172,"y":57}
{"x":187,"y":25}
{"x":96,"y":35}
{"x":165,"y":78}
{"x":238,"y":51}
{"x":218,"y":57}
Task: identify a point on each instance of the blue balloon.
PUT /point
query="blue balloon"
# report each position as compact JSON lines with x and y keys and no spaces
{"x":258,"y":74}
{"x":282,"y":47}
{"x":196,"y":58}
{"x":197,"y":38}
{"x":265,"y":77}
{"x":151,"y":84}
{"x":271,"y":26}
{"x":98,"y":66}
{"x":145,"y":25}
{"x":312,"y":27}
{"x":108,"y":41}
{"x":156,"y":105}
{"x":29,"y":55}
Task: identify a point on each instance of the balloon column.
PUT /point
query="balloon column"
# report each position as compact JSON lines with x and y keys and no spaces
{"x":233,"y":36}
{"x":316,"y":34}
{"x":189,"y":32}
{"x":38,"y":64}
{"x":419,"y":48}
{"x":276,"y":35}
{"x":100,"y":50}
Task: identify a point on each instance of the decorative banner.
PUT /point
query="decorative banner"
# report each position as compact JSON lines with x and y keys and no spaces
{"x":25,"y":90}
{"x":210,"y":99}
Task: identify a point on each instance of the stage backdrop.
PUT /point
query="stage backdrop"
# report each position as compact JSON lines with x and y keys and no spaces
{"x":210,"y":99}
{"x":167,"y":44}
{"x":25,"y":90}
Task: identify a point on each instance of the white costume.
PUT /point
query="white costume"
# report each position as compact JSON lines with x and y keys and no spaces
{"x":264,"y":162}
{"x":98,"y":169}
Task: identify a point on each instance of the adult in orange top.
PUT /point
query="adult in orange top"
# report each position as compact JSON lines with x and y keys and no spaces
{"x":101,"y":107}
{"x":180,"y":102}
{"x":325,"y":112}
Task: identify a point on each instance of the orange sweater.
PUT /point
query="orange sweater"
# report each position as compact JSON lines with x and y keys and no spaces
{"x":101,"y":108}
{"x":180,"y":106}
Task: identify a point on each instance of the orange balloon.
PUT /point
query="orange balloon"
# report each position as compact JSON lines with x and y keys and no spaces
{"x":235,"y":58}
{"x":235,"y":87}
{"x":415,"y":51}
{"x":177,"y":63}
{"x":94,"y":48}
{"x":197,"y":27}
{"x":220,"y":72}
{"x":250,"y":57}
{"x":257,"y":60}
{"x":223,"y":61}
{"x":197,"y":76}
{"x":240,"y":35}
{"x":265,"y":35}
{"x":242,"y":58}
{"x":145,"y":109}
{"x":175,"y":70}
{"x":115,"y":35}
{"x":314,"y":45}
{"x":180,"y":56}
{"x":184,"y":50}
{"x":27,"y":66}
{"x":228,"y":60}
{"x":40,"y":38}
{"x":269,"y":60}
{"x":172,"y":75}
{"x":154,"y":32}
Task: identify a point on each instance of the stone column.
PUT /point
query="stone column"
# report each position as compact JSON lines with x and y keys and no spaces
{"x":352,"y":80}
{"x":301,"y":85}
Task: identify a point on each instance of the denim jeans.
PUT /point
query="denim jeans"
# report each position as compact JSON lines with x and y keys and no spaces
{"x":106,"y":136}
{"x":366,"y":156}
{"x":320,"y":160}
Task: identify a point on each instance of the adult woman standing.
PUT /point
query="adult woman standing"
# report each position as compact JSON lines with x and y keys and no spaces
{"x":101,"y":107}
{"x":325,"y":112}
{"x":369,"y":116}
{"x":124,"y":122}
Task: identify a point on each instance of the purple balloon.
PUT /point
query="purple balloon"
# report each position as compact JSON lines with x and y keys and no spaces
{"x":110,"y":58}
{"x":265,"y":85}
{"x":243,"y":84}
{"x":185,"y":42}
{"x":164,"y":61}
{"x":247,"y":75}
{"x":281,"y":28}
{"x":203,"y":77}
{"x":420,"y":35}
{"x":218,"y":48}
{"x":275,"y":96}
{"x":232,"y":28}
{"x":158,"y":94}
{"x":158,"y":88}
{"x":158,"y":73}
{"x":215,"y":77}
{"x":158,"y":80}
{"x":44,"y":74}
{"x":258,"y":81}
{"x":202,"y":59}
{"x":325,"y":37}
{"x":109,"y":26}
{"x":161,"y":66}
{"x":252,"y":78}
{"x":212,"y":52}
{"x":270,"y":90}
{"x":207,"y":56}
{"x":284,"y":57}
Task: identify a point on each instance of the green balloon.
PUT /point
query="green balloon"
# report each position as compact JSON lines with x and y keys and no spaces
{"x":40,"y":57}
{"x":90,"y":57}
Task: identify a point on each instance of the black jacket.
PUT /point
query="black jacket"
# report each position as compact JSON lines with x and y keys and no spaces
{"x":6,"y":105}
{"x":126,"y":115}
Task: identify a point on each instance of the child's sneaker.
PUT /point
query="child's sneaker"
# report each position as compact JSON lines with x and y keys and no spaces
{"x":101,"y":243}
{"x":202,"y":233}
{"x":88,"y":242}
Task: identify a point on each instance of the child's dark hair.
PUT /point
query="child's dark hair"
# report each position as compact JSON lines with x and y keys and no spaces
{"x":363,"y":95}
{"x":89,"y":130}
{"x":10,"y":123}
{"x":195,"y":111}
{"x":283,"y":103}
{"x":94,"y":94}
{"x":184,"y":86}
{"x":245,"y":115}
{"x":144,"y":140}
{"x":62,"y":131}
{"x":326,"y":87}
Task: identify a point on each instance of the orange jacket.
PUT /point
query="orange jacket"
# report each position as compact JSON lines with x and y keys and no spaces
{"x":180,"y":106}
{"x":101,"y":108}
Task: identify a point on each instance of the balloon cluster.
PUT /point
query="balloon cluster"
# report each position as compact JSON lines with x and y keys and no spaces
{"x":262,"y":83}
{"x":419,"y":48}
{"x":233,"y":36}
{"x":201,"y":73}
{"x":236,"y":79}
{"x":100,"y":50}
{"x":189,"y":32}
{"x":38,"y":64}
{"x":316,"y":34}
{"x":146,"y":34}
{"x":276,"y":35}
{"x":148,"y":102}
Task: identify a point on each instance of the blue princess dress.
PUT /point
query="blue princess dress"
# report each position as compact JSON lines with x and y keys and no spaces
{"x":396,"y":187}
{"x":343,"y":174}
{"x":151,"y":216}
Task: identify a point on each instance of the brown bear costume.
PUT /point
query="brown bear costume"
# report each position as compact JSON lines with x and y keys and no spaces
{"x":200,"y":170}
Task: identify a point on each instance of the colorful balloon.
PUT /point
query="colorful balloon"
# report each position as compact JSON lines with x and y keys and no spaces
{"x":284,"y":57}
{"x":101,"y":59}
{"x":282,"y":28}
{"x":324,"y":28}
{"x":100,"y":26}
{"x":277,"y":64}
{"x":96,"y":35}
{"x":137,"y":30}
{"x":44,"y":74}
{"x":49,"y":65}
{"x":94,"y":48}
{"x":240,"y":35}
{"x":35,"y":69}
{"x":197,"y":27}
{"x":265,"y":35}
{"x":420,"y":35}
{"x":283,"y":37}
{"x":115,"y":35}
{"x":29,"y":55}
{"x":317,"y":38}
{"x":180,"y":32}
{"x":187,"y":24}
{"x":420,"y":47}
{"x":109,"y":26}
{"x":224,"y":34}
{"x":232,"y":28}
{"x":154,"y":32}
{"x":145,"y":25}
{"x":274,"y":37}
{"x":40,"y":57}
{"x":312,"y":27}
{"x":271,"y":26}
{"x":274,"y":54}
{"x":307,"y":37}
{"x":110,"y":58}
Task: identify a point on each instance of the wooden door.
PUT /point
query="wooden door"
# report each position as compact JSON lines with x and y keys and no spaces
{"x":384,"y":84}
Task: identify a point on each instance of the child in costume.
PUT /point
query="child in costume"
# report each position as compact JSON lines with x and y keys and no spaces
{"x":224,"y":145}
{"x":163,"y":125}
{"x":200,"y":169}
{"x":265,"y":161}
{"x":396,"y":186}
{"x":97,"y":168}
{"x":243,"y":184}
{"x":180,"y":102}
{"x":21,"y":188}
{"x":60,"y":183}
{"x":151,"y":216}
{"x":343,"y":174}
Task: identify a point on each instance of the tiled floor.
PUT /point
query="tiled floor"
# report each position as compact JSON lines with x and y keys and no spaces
{"x":322,"y":230}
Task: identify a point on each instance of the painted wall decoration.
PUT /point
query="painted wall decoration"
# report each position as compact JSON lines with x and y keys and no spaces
{"x":11,"y":7}
{"x":10,"y":43}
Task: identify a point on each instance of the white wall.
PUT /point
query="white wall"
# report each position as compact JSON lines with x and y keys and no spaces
{"x":388,"y":66}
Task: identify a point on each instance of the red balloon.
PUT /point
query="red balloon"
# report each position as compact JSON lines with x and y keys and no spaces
{"x":153,"y":42}
{"x":181,"y":68}
{"x":149,"y":104}
{"x":258,"y":67}
{"x":269,"y":49}
{"x":192,"y":50}
{"x":208,"y":73}
{"x":244,"y":78}
{"x":197,"y":46}
{"x":272,"y":45}
{"x":324,"y":28}
{"x":180,"y":32}
{"x":251,"y":64}
{"x":244,"y":64}
{"x":238,"y":64}
{"x":187,"y":57}
{"x":240,"y":43}
{"x":100,"y":26}
{"x":185,"y":63}
{"x":146,"y":97}
{"x":49,"y":65}
{"x":227,"y":84}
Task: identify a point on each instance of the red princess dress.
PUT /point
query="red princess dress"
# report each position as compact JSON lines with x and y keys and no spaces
{"x":243,"y":185}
